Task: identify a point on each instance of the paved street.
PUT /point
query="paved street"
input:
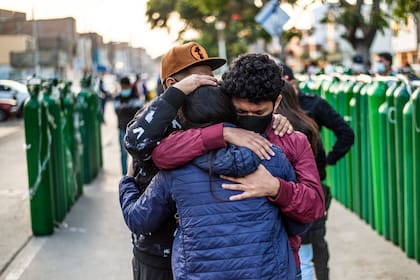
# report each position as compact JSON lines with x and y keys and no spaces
{"x":94,"y":243}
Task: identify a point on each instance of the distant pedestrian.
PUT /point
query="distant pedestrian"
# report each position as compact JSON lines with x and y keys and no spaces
{"x":383,"y":65}
{"x":358,"y":67}
{"x":159,"y":86}
{"x":103,"y":92}
{"x":126,"y":104}
{"x":140,"y":88}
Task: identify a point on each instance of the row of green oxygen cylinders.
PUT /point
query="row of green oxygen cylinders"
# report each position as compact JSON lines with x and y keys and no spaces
{"x":378,"y":178}
{"x":63,"y":148}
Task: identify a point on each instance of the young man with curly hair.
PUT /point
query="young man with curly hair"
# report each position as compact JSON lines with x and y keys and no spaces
{"x":254,"y":83}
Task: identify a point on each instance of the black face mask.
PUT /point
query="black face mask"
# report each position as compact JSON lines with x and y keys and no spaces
{"x":257,"y":124}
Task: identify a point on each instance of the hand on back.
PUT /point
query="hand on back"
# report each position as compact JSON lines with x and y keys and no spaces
{"x":281,"y":125}
{"x":246,"y":138}
{"x":192,"y":82}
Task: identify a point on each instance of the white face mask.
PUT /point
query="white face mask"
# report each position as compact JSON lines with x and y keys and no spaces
{"x":380,"y":67}
{"x":125,"y":92}
{"x":358,"y":68}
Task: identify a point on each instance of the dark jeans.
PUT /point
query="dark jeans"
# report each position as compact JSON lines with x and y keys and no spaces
{"x":321,"y":254}
{"x":298,"y":273}
{"x":142,"y":271}
{"x":123,"y":152}
{"x":102,"y":103}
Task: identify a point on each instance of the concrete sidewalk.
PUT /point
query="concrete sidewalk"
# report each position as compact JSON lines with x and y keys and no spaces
{"x":94,"y":242}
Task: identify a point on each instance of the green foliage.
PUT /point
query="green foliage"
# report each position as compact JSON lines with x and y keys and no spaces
{"x":242,"y":30}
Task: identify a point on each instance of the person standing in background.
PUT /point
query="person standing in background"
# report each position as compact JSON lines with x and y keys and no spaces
{"x":103,"y":93}
{"x":126,"y":104}
{"x":159,"y":86}
{"x":383,"y":65}
{"x":140,"y":88}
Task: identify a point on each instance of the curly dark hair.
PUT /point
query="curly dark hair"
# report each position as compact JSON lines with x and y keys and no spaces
{"x":255,"y":77}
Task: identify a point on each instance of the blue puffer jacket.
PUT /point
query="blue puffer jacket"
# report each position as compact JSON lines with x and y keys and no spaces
{"x":217,"y":238}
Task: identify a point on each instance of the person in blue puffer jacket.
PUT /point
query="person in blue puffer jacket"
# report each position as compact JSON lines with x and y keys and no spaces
{"x":216,"y":238}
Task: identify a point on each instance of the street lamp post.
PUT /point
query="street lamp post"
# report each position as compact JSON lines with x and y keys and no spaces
{"x":220,"y":27}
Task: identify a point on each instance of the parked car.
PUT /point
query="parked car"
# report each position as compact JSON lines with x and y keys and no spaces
{"x":10,"y":89}
{"x":7,"y":108}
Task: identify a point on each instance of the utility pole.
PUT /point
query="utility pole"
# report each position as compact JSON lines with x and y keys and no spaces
{"x":35,"y":45}
{"x":220,"y":27}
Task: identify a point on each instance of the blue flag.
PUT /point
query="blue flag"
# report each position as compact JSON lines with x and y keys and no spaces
{"x":272,"y":18}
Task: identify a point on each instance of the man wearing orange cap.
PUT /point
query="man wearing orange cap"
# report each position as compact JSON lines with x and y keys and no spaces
{"x":183,"y":69}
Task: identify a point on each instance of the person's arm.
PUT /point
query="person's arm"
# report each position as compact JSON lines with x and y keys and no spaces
{"x":183,"y":146}
{"x":344,"y":134}
{"x":144,"y":213}
{"x":302,"y":200}
{"x":151,"y":124}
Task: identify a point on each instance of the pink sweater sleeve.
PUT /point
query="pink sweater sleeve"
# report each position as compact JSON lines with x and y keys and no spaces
{"x":303,"y":201}
{"x":183,"y":146}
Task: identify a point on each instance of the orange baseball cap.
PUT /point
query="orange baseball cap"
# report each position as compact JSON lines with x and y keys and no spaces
{"x":190,"y":54}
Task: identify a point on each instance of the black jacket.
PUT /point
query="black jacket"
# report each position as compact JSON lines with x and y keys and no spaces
{"x":326,"y":116}
{"x":143,"y":134}
{"x":126,"y":108}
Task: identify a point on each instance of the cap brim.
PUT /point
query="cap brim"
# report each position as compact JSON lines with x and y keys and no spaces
{"x":213,"y":62}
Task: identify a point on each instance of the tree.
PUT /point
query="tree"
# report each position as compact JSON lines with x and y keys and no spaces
{"x":360,"y":20}
{"x":363,"y":20}
{"x":201,"y":15}
{"x":404,"y":7}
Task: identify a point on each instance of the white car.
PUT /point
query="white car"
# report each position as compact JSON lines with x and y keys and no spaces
{"x":10,"y":89}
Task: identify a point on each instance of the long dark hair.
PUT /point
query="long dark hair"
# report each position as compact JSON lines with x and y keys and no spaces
{"x":206,"y":106}
{"x":290,"y":108}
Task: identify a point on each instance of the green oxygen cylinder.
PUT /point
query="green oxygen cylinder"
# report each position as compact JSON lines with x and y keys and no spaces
{"x":384,"y":162}
{"x":408,"y":200}
{"x":376,"y":95}
{"x":69,"y":99}
{"x":67,"y":104}
{"x":320,"y":83}
{"x":96,"y":121}
{"x":347,"y":181}
{"x":401,"y":97}
{"x":338,"y":170}
{"x":304,"y":86}
{"x":366,"y":164}
{"x":86,"y":129}
{"x":325,"y":133}
{"x":58,"y":155}
{"x":392,"y":181}
{"x":355,"y":151}
{"x":38,"y":159}
{"x":332,"y":172}
{"x":344,"y":164}
{"x":416,"y":166}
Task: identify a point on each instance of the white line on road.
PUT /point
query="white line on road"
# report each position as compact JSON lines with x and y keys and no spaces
{"x":24,"y":258}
